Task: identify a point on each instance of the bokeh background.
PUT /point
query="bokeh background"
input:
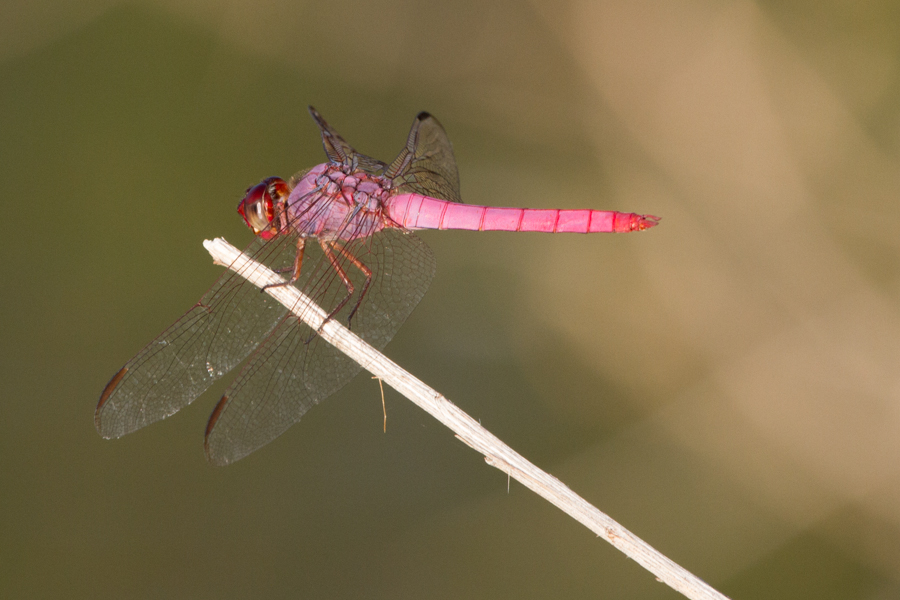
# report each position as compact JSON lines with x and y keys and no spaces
{"x":726,"y":385}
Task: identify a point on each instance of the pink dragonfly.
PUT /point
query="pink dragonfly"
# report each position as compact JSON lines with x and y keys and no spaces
{"x":342,"y":233}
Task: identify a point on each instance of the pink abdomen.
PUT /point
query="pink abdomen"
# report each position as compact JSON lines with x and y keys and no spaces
{"x":415,"y":211}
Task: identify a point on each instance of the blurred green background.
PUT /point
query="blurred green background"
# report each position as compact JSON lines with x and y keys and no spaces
{"x":725,"y":385}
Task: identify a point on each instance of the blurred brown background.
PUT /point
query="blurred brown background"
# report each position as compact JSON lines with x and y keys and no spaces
{"x":726,"y":385}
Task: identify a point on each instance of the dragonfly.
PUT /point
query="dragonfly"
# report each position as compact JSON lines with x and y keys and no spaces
{"x":343,"y":233}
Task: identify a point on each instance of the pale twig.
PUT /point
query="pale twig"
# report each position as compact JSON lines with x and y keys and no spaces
{"x":497,"y":454}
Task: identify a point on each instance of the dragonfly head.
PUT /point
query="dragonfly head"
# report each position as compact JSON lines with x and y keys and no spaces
{"x":258,"y":205}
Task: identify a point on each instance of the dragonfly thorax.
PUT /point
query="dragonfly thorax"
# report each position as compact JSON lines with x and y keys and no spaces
{"x":330,"y":204}
{"x":360,"y":190}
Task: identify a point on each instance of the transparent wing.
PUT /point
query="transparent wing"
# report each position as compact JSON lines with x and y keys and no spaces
{"x":222,"y":329}
{"x":426,"y":164}
{"x":294,"y":369}
{"x":342,"y":153}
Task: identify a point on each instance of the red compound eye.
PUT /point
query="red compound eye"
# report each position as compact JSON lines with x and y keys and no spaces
{"x":258,"y":205}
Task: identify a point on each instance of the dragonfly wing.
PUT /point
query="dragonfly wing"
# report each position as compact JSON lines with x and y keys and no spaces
{"x":293,"y":370}
{"x":222,"y":329}
{"x":342,"y":153}
{"x":426,"y":164}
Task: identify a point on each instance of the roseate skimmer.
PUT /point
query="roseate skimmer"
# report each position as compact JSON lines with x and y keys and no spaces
{"x":342,"y":232}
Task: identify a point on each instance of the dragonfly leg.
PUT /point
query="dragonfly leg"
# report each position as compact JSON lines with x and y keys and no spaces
{"x":295,"y":270}
{"x":366,"y":271}
{"x":327,"y":248}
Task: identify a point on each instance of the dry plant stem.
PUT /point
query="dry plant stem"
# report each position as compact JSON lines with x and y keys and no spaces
{"x":497,"y":454}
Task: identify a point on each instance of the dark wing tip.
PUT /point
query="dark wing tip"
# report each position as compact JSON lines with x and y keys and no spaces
{"x":317,"y":118}
{"x":210,"y":425}
{"x":107,"y":392}
{"x":423,"y":115}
